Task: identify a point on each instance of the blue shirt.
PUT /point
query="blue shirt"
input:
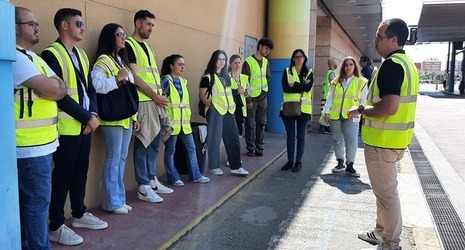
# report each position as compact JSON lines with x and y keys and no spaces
{"x":166,"y":85}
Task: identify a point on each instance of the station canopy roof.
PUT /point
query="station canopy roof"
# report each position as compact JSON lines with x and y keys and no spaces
{"x":442,"y":21}
{"x":360,"y":20}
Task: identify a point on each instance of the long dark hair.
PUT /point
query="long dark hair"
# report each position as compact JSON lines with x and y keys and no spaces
{"x":167,"y":62}
{"x":107,"y":43}
{"x":342,"y":72}
{"x":211,"y":67}
{"x":304,"y":69}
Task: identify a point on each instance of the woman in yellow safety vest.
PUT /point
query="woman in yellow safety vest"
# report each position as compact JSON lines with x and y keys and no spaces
{"x":297,"y":82}
{"x":239,"y":86}
{"x":179,"y":111}
{"x":215,"y":92}
{"x":109,"y":73}
{"x":349,"y":89}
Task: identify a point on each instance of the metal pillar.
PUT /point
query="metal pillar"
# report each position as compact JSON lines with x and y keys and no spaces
{"x":10,"y":236}
{"x":455,"y":46}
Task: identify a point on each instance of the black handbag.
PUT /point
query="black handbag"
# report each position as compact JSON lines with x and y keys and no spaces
{"x":291,"y":109}
{"x":118,"y":104}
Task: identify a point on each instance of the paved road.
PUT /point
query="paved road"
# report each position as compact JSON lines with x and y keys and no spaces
{"x":309,"y":210}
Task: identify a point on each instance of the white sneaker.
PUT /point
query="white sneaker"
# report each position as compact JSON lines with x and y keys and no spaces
{"x":89,"y":221}
{"x":121,"y":210}
{"x":371,"y":237}
{"x":129,"y":208}
{"x":146,"y":193}
{"x":216,"y":171}
{"x":159,"y":188}
{"x":65,"y":235}
{"x":239,"y":171}
{"x":202,"y":179}
{"x":178,"y":183}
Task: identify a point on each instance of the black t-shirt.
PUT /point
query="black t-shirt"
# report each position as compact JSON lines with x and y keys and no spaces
{"x":390,"y":77}
{"x":132,"y":55}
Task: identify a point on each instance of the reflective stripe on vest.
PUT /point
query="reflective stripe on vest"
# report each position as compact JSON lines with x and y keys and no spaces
{"x":344,"y":100}
{"x":41,"y":127}
{"x":243,"y":82}
{"x":258,"y":81}
{"x":222,"y":98}
{"x":394,"y":131}
{"x":147,"y":68}
{"x":179,"y":114}
{"x":304,"y":98}
{"x":67,"y":125}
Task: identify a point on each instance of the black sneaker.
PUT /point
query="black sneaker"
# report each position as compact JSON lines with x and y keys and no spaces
{"x":250,"y":153}
{"x":351,"y":171}
{"x":258,"y":152}
{"x":288,"y":165}
{"x":297,"y":167}
{"x":339,"y":168}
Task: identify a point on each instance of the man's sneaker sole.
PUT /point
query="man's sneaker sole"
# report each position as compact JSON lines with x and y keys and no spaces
{"x":371,"y":237}
{"x":352,"y":174}
{"x":94,"y":227}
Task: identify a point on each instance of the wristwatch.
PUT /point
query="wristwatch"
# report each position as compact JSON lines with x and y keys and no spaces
{"x":360,"y":109}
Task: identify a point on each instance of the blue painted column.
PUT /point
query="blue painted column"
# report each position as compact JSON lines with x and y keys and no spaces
{"x":10,"y":236}
{"x":289,"y":28}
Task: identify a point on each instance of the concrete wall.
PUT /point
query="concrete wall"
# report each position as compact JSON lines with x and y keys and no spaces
{"x":331,"y":42}
{"x":193,"y":29}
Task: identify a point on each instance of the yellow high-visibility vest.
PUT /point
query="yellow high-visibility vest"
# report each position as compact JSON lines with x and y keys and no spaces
{"x":394,"y":131}
{"x":305,"y":98}
{"x":243,"y":80}
{"x":111,"y":70}
{"x":147,"y":68}
{"x":179,"y":110}
{"x":35,"y":124}
{"x":326,"y":83}
{"x":67,"y":125}
{"x":344,"y":100}
{"x":222,"y":98}
{"x":258,"y":81}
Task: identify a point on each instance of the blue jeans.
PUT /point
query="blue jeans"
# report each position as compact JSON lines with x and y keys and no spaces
{"x":117,"y":141}
{"x":192,"y":163}
{"x":291,"y":124}
{"x":34,"y":180}
{"x":145,"y":160}
{"x":345,"y":138}
{"x":222,"y":126}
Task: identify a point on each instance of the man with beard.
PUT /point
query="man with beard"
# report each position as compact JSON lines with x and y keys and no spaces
{"x":77,"y":119}
{"x":36,"y":90}
{"x":152,"y":114}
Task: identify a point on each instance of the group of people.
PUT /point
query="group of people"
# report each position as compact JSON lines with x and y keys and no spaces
{"x":58,"y":94}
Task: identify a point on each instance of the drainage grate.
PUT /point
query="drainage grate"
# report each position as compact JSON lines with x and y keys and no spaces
{"x":451,"y":229}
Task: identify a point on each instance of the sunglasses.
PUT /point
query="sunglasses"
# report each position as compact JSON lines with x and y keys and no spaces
{"x":79,"y":24}
{"x":122,"y":35}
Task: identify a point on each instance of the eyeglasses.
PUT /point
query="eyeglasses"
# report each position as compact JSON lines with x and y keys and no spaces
{"x":122,"y":35}
{"x":379,"y":37}
{"x":31,"y":24}
{"x":80,"y":24}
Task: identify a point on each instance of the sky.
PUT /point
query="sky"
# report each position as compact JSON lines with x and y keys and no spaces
{"x":409,"y":11}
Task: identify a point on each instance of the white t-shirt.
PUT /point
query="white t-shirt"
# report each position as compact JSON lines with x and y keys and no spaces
{"x":23,"y":69}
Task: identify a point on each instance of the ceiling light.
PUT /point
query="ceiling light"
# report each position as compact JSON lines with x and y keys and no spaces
{"x":350,"y":1}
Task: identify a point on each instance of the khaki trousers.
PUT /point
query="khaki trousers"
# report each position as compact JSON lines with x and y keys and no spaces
{"x":381,"y":166}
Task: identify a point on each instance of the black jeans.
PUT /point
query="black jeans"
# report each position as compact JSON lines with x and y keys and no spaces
{"x":71,"y":162}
